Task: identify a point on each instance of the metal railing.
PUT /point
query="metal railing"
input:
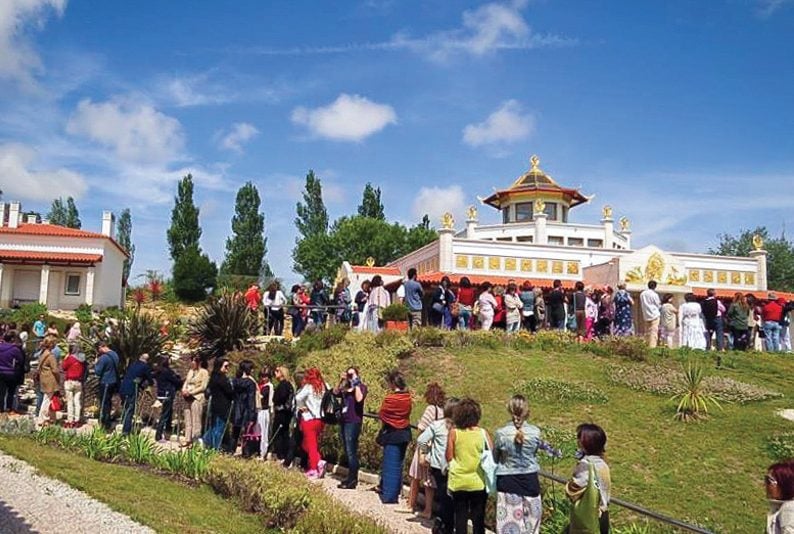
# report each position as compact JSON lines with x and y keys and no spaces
{"x":636,"y":508}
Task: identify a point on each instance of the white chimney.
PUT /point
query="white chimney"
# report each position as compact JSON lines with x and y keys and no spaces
{"x":108,"y":224}
{"x":32,"y":218}
{"x":13,"y":215}
{"x":3,"y":211}
{"x":45,"y":221}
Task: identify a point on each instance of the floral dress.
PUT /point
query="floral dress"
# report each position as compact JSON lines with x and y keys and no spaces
{"x":624,"y":325}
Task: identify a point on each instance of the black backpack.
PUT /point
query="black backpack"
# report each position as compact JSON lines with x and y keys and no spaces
{"x":330,"y":408}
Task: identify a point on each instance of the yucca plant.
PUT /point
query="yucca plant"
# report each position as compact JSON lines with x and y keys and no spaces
{"x":222,"y":325}
{"x":137,"y":334}
{"x":139,"y":448}
{"x":693,"y":399}
{"x":100,"y":445}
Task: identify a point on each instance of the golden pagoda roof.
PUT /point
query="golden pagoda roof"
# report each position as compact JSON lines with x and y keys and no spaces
{"x":535,"y":183}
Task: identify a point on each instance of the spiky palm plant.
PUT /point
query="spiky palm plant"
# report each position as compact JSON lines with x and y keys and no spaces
{"x":139,"y":333}
{"x":693,"y":399}
{"x":222,"y":325}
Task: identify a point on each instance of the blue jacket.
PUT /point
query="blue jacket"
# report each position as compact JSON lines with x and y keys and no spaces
{"x":139,"y":372}
{"x":167,"y":383}
{"x":513,"y":458}
{"x":107,"y":368}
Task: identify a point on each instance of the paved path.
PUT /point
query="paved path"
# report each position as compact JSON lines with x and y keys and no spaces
{"x":30,"y":502}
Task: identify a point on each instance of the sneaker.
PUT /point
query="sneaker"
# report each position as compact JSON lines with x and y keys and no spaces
{"x":321,"y":468}
{"x":312,"y":475}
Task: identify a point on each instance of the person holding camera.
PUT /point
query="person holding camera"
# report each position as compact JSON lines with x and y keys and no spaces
{"x":352,"y":391}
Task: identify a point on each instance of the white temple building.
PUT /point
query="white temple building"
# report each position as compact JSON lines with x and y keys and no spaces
{"x":58,"y":266}
{"x":537,"y":242}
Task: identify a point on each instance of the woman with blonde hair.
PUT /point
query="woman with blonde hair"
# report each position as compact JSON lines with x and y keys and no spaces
{"x":518,"y":505}
{"x":283,"y":406}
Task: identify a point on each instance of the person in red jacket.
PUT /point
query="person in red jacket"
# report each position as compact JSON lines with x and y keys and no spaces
{"x":74,"y":368}
{"x":771,"y":314}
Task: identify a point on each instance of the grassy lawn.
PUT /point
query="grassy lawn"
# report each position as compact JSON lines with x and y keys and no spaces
{"x":153,"y":500}
{"x":708,"y":472}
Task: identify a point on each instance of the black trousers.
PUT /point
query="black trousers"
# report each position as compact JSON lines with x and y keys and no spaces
{"x":275,"y":322}
{"x":469,"y":505}
{"x":280,"y":444}
{"x":445,"y":510}
{"x":7,"y":388}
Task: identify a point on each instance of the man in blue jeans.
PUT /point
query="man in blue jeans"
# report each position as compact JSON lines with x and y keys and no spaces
{"x":352,"y":391}
{"x":772,"y":313}
{"x":138,"y":377}
{"x":107,"y":369}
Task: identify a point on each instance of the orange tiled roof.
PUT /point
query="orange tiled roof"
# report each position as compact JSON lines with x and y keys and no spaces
{"x":21,"y":256}
{"x":729,"y":293}
{"x":475,"y":279}
{"x":53,"y":230}
{"x":363,"y":269}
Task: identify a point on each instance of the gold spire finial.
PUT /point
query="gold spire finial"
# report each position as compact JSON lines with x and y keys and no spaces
{"x":534,"y":161}
{"x":758,"y":242}
{"x":370,"y":262}
{"x":624,"y":224}
{"x":540,"y":206}
{"x":447,"y":221}
{"x":472,"y":213}
{"x":606,"y":213}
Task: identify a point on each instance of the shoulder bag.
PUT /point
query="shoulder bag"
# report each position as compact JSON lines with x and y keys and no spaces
{"x":584,"y":512}
{"x":488,"y":466}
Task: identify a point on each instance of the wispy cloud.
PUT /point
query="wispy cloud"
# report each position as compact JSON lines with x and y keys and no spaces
{"x":238,"y":135}
{"x":767,"y":8}
{"x":490,"y":28}
{"x":348,"y":118}
{"x":26,"y":178}
{"x":508,"y":124}
{"x":436,"y":201}
{"x":19,"y":60}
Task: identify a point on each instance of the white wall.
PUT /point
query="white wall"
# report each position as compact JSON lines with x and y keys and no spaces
{"x":107,"y":280}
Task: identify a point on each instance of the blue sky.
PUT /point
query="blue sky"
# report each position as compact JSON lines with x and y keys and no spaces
{"x":679,"y":114}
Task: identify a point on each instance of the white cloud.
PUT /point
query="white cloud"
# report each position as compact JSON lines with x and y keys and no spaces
{"x":507,"y":124}
{"x":18,"y":59}
{"x":183,"y":92}
{"x":435,"y":201}
{"x":22,"y":180}
{"x":136,"y":131}
{"x":767,"y":8}
{"x":348,"y":118}
{"x":239,"y":134}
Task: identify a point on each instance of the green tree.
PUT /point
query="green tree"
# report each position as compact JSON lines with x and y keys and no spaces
{"x":185,"y":230}
{"x":57,"y":214}
{"x":124,"y":237}
{"x":72,"y":214}
{"x":246,"y":249}
{"x":371,"y":205}
{"x":315,"y":258}
{"x":194,"y":274}
{"x":312,"y":216}
{"x":780,"y":255}
{"x":419,"y":236}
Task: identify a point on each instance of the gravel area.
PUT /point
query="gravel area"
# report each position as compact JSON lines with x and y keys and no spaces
{"x":367,"y":502}
{"x":30,"y":502}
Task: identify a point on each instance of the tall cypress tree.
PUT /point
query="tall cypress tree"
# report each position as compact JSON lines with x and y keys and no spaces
{"x":124,"y":237}
{"x":371,"y":206}
{"x":185,"y":230}
{"x":246,"y":249}
{"x":57,"y":214}
{"x":312,"y":219}
{"x":72,"y":215}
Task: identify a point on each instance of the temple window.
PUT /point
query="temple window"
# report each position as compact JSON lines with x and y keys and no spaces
{"x":575,"y":242}
{"x":506,"y":215}
{"x":595,"y":243}
{"x":524,"y":212}
{"x":504,"y":239}
{"x":565,"y":214}
{"x":525,"y":239}
{"x":556,"y":240}
{"x":551,"y":211}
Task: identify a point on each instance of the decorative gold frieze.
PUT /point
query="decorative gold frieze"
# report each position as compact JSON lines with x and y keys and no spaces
{"x":573,"y":267}
{"x":478,"y":262}
{"x":494,"y":263}
{"x":708,"y":276}
{"x":722,"y":277}
{"x":543,"y":266}
{"x":510,"y":264}
{"x":694,"y":275}
{"x":736,"y":278}
{"x":556,"y":267}
{"x":462,"y":261}
{"x":749,"y":279}
{"x":526,"y":266}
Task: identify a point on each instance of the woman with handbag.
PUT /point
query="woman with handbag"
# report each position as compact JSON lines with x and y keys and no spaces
{"x":394,"y":436}
{"x":49,"y":379}
{"x":518,"y":505}
{"x":467,"y":480}
{"x":419,"y":470}
{"x":589,"y":487}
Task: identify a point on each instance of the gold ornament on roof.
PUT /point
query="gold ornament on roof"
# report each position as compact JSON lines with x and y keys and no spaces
{"x":540,"y":206}
{"x":370,"y":262}
{"x":534,"y":162}
{"x":624,"y":224}
{"x":447,"y":221}
{"x":472,"y":213}
{"x":758,"y":242}
{"x":606,"y":212}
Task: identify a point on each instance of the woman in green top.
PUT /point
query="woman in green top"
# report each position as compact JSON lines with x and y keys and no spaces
{"x":466,"y":483}
{"x":737,"y":321}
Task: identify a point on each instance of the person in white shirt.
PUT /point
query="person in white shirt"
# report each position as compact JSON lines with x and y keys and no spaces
{"x":308,"y":401}
{"x":487,"y":304}
{"x":651,"y":307}
{"x":273,"y":303}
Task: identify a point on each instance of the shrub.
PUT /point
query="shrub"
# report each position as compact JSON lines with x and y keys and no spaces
{"x":84,"y":314}
{"x":322,"y":338}
{"x":781,"y":446}
{"x":396,"y":312}
{"x":192,"y":463}
{"x":693,"y":400}
{"x":627,"y":347}
{"x":99,"y":445}
{"x":28,"y":313}
{"x":113,"y":312}
{"x":139,"y":449}
{"x":551,"y":390}
{"x":139,"y":333}
{"x":427,"y":337}
{"x":222,"y":325}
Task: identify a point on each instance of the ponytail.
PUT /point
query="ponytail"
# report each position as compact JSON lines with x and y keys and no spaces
{"x":518,"y":408}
